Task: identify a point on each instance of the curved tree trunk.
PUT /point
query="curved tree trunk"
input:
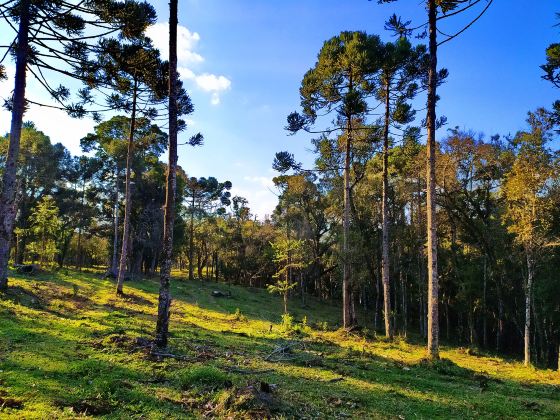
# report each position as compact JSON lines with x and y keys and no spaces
{"x":127,"y":196}
{"x":433,"y":286}
{"x":162,"y":326}
{"x":8,"y":205}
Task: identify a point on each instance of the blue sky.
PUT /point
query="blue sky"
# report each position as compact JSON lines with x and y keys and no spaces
{"x":243,"y":62}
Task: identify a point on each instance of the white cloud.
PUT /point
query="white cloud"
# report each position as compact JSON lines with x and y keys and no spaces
{"x":212,"y":83}
{"x":187,"y":43}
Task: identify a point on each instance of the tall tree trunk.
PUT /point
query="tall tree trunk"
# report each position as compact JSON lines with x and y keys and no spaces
{"x":114,"y":260}
{"x":433,"y":286}
{"x":528,"y":291}
{"x":127,"y":195}
{"x":191,"y":242}
{"x":347,"y":320}
{"x":162,"y":326}
{"x":385,"y":220}
{"x":8,"y":198}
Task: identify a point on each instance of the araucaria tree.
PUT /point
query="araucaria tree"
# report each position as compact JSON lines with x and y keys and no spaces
{"x":339,"y":85}
{"x":436,"y":10}
{"x":55,"y":38}
{"x":401,"y":67}
{"x":139,"y":76}
{"x":164,"y":302}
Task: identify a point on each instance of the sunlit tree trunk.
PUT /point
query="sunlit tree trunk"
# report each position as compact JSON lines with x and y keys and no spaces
{"x":164,"y":305}
{"x":8,"y":198}
{"x":433,"y":286}
{"x":127,"y":195}
{"x":114,"y":260}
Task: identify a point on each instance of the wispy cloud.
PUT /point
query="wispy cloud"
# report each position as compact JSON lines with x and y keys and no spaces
{"x":187,"y":43}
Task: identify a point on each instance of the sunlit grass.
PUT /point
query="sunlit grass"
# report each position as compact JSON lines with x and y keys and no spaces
{"x":69,"y":347}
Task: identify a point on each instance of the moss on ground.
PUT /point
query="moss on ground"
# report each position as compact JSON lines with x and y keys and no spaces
{"x":70,"y":348}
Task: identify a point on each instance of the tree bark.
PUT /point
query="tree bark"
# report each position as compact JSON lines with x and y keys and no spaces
{"x":127,"y":195}
{"x":347,"y":320}
{"x":528,"y":291}
{"x":162,"y":326}
{"x":8,"y":206}
{"x":114,"y":260}
{"x":191,"y":242}
{"x":385,"y":220}
{"x":433,"y":286}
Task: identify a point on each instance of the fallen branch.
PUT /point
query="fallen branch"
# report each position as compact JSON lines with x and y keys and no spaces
{"x":248,"y":372}
{"x":173,"y":356}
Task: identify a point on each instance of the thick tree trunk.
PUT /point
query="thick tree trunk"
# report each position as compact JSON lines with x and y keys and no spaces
{"x":528,"y":291}
{"x":8,"y":198}
{"x":385,"y":220}
{"x":162,"y":326}
{"x":433,"y":286}
{"x":127,"y":195}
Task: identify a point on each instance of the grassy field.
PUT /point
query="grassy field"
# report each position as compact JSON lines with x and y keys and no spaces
{"x":70,"y":348}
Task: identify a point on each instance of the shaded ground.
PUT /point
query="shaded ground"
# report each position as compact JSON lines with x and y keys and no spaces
{"x":70,"y":348}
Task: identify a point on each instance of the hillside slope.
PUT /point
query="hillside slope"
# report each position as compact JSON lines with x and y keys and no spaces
{"x":70,"y":348}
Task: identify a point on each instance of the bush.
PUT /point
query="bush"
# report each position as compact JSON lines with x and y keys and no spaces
{"x":287,"y":323}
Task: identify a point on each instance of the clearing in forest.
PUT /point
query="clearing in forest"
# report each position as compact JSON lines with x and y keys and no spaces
{"x":69,"y":347}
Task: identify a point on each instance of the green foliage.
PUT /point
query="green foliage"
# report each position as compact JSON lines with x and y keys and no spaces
{"x":528,"y":186}
{"x":45,"y":225}
{"x":287,"y":322}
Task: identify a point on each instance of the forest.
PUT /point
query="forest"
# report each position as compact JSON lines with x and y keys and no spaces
{"x":408,"y":271}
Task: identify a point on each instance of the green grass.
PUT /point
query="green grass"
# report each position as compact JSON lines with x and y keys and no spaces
{"x":70,"y":348}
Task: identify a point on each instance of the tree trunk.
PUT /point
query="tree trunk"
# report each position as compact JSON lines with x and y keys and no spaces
{"x":528,"y":291}
{"x":79,"y":257}
{"x":433,"y":286}
{"x":484,"y":320}
{"x":127,"y":196}
{"x":162,"y":326}
{"x":347,"y":320}
{"x":115,"y":258}
{"x":191,"y":242}
{"x":385,"y":220}
{"x":8,"y":206}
